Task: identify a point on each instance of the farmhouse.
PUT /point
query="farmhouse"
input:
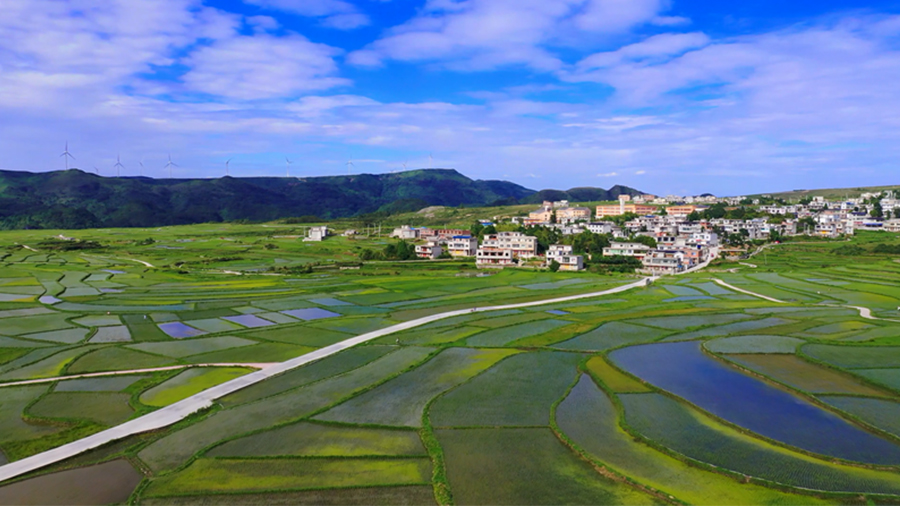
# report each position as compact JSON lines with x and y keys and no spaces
{"x":493,"y":258}
{"x":430,"y":250}
{"x":519,"y":244}
{"x":627,"y":249}
{"x":316,"y":234}
{"x":623,"y":208}
{"x":565,"y":257}
{"x":573,"y":214}
{"x":462,"y":246}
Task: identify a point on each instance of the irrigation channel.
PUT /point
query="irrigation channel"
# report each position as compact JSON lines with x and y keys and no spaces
{"x":182,"y":409}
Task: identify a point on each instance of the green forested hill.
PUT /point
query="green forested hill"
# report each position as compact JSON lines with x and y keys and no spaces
{"x":76,"y":199}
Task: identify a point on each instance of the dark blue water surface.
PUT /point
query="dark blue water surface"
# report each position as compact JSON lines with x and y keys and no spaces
{"x":681,"y":368}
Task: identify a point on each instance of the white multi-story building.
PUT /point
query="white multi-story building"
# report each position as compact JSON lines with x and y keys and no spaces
{"x":521,"y":245}
{"x":316,"y":234}
{"x":565,"y":257}
{"x":660,"y":262}
{"x":431,"y":250}
{"x":406,"y":232}
{"x":627,"y":249}
{"x":494,"y":259}
{"x":708,"y":239}
{"x":604,"y":227}
{"x":462,"y":246}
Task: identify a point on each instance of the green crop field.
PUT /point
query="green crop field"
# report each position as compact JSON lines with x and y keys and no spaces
{"x":519,"y":406}
{"x":401,"y":401}
{"x":612,"y":335}
{"x":188,"y":383}
{"x":754,"y":344}
{"x":101,"y":407}
{"x":802,"y":375}
{"x":883,"y":414}
{"x":315,"y":440}
{"x":525,"y":466}
{"x":239,"y":475}
{"x":516,"y":392}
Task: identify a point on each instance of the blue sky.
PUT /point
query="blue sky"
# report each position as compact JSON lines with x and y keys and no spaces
{"x":668,"y":96}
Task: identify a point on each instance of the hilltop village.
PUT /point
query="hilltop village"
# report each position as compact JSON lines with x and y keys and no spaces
{"x":647,"y":234}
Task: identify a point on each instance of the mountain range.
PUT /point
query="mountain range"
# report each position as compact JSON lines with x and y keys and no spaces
{"x":74,"y":199}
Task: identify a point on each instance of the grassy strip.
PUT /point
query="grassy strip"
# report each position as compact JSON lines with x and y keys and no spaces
{"x":442,"y":492}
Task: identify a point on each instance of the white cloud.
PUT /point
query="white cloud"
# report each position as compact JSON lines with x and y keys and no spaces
{"x":486,"y":34}
{"x":315,"y":106}
{"x":611,"y":16}
{"x":263,"y":23}
{"x":608,"y":174}
{"x":262,"y":67}
{"x":752,"y":113}
{"x":48,"y":47}
{"x":648,"y":51}
{"x":333,"y":13}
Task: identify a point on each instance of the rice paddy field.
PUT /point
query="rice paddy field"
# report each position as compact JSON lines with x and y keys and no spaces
{"x":681,"y":392}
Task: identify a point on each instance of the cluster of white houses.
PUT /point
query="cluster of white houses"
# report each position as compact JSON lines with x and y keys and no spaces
{"x":503,"y":249}
{"x":681,"y":244}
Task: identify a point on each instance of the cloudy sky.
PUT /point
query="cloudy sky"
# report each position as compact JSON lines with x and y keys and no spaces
{"x":668,"y":96}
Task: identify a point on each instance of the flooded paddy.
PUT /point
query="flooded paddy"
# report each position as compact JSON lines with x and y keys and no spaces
{"x":683,"y":369}
{"x":107,"y":483}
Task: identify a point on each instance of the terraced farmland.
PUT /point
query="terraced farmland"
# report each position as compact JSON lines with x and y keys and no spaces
{"x":679,"y":392}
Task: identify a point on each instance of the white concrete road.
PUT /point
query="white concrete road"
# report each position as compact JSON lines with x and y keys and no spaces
{"x":129,"y":371}
{"x":866,"y":313}
{"x":748,"y":292}
{"x":184,"y":408}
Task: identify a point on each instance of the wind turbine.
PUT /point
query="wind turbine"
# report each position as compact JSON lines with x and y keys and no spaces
{"x":118,"y":165}
{"x":169,"y":166}
{"x":430,"y":161}
{"x":227,"y":162}
{"x":67,"y":155}
{"x":287,"y":167}
{"x":141,"y":163}
{"x":96,"y":170}
{"x":349,"y":164}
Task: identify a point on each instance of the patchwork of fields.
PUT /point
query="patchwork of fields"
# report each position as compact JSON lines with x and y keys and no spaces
{"x":681,"y":392}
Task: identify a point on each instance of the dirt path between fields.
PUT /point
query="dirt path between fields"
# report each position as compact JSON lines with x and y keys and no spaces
{"x":130,"y":371}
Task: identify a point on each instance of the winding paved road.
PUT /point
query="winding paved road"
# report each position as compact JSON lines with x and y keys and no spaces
{"x":748,"y":292}
{"x":182,"y":409}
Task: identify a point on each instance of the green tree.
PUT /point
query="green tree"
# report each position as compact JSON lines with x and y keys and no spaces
{"x":545,"y":237}
{"x":554,"y":266}
{"x":807,"y":223}
{"x":877,"y":210}
{"x":477,"y":229}
{"x":644,"y":239}
{"x":715,"y":211}
{"x":694,"y":216}
{"x":735,"y":239}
